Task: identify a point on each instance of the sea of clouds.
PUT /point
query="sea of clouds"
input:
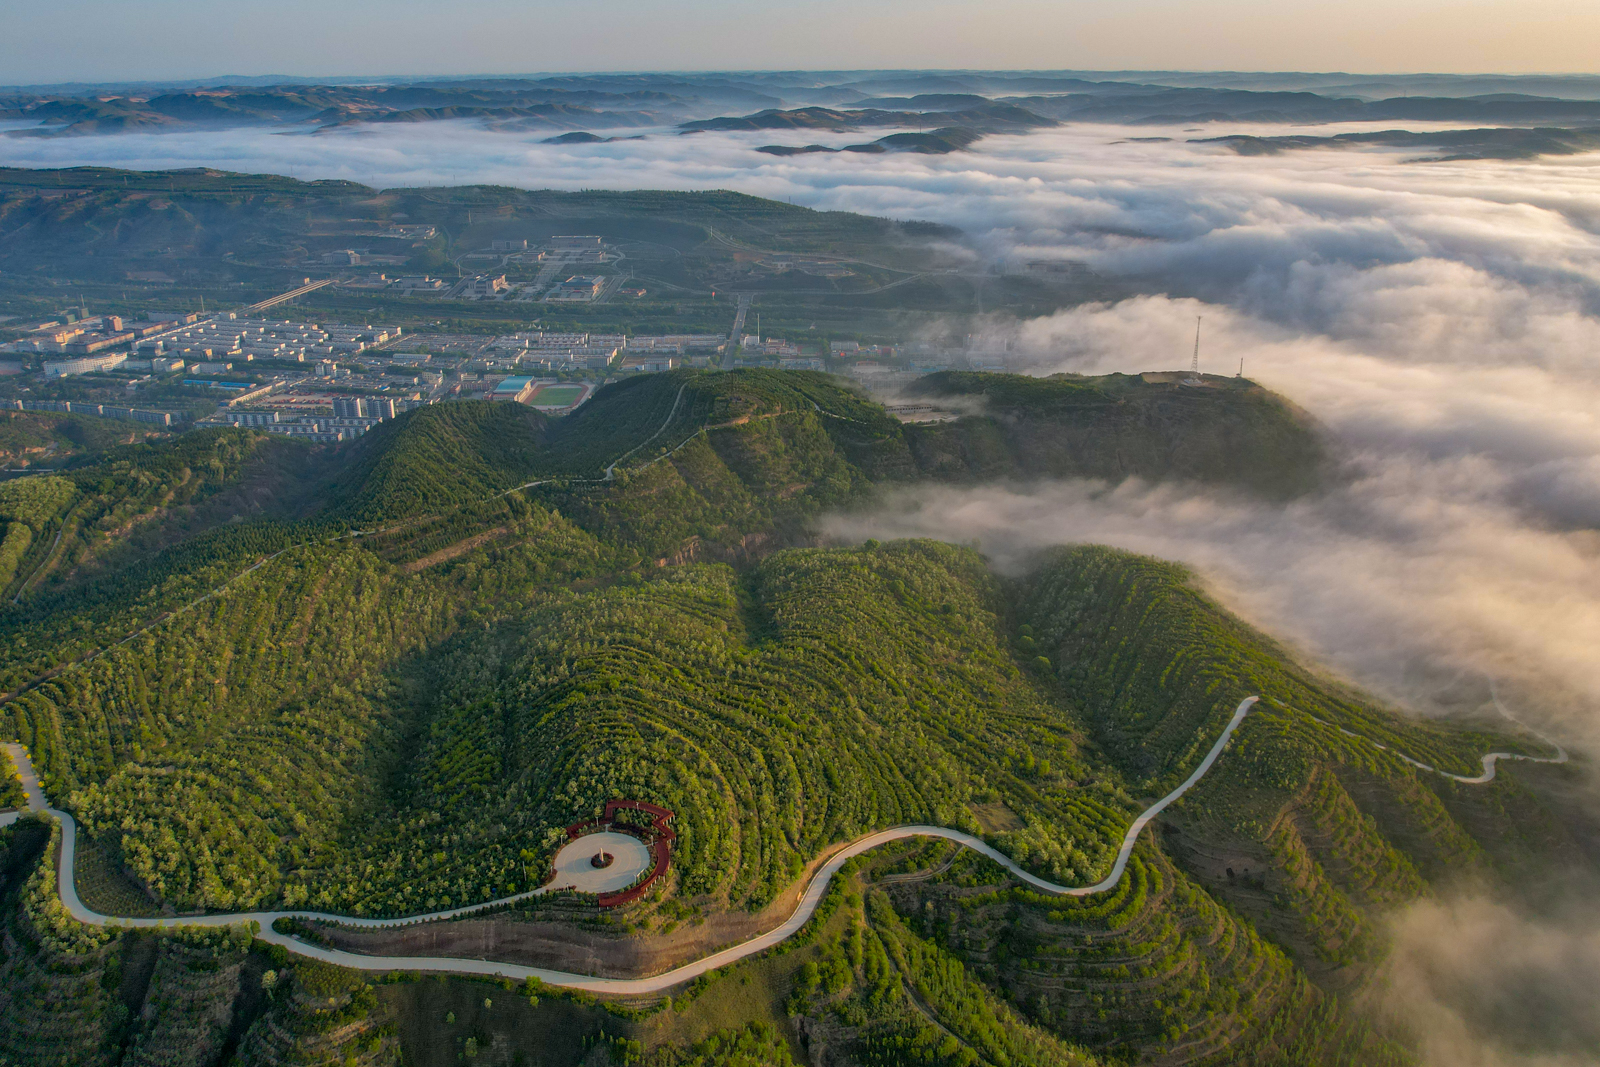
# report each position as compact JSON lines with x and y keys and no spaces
{"x":1438,"y":318}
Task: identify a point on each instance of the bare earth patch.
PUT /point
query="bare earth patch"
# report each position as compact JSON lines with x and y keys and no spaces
{"x":460,"y":548}
{"x":996,"y":818}
{"x":566,"y":946}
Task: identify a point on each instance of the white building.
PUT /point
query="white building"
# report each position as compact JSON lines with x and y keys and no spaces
{"x":580,"y":288}
{"x":84,"y":365}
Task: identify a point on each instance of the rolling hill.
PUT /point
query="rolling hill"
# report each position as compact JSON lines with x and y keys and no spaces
{"x":390,"y":690}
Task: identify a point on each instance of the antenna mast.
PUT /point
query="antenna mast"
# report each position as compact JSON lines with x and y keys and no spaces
{"x":1194,"y":367}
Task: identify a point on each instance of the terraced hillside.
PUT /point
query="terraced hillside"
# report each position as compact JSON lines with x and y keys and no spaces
{"x":826,"y":694}
{"x":391,"y":689}
{"x":71,"y":996}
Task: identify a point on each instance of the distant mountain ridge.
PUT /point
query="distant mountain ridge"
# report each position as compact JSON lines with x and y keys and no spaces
{"x":986,"y":101}
{"x":1449,"y":144}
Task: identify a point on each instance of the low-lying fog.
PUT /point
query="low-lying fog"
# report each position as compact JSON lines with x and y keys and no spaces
{"x":1438,"y":318}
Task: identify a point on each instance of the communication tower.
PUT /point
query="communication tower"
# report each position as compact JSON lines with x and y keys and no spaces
{"x":1194,"y":364}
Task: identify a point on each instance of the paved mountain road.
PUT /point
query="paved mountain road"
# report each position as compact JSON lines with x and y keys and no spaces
{"x":810,"y":897}
{"x":1489,"y":761}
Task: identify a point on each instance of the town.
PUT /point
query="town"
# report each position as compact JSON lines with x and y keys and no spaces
{"x":325,"y":382}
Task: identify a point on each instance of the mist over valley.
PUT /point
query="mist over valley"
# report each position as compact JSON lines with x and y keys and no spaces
{"x":807,"y":456}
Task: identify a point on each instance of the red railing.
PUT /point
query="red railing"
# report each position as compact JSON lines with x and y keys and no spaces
{"x":658,"y":835}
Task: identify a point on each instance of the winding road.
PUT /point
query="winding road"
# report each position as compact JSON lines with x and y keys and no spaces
{"x":1488,"y":760}
{"x":809,"y":900}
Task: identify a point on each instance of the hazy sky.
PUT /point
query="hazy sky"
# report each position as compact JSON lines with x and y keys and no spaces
{"x":98,"y":40}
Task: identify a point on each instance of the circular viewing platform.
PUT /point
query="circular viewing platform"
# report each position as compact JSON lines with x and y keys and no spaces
{"x":603,"y":862}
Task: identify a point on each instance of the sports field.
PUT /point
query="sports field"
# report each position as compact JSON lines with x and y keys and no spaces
{"x":557,"y":396}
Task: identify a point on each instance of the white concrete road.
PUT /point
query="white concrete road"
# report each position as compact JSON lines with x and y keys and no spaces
{"x":1488,"y":761}
{"x":732,"y":352}
{"x":809,"y":898}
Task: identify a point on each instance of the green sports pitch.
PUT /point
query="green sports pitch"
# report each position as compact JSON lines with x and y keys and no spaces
{"x":557,"y":396}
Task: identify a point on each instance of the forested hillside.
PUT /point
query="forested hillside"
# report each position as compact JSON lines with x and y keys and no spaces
{"x":46,"y":440}
{"x":388,"y":688}
{"x":1153,"y":426}
{"x":58,"y":523}
{"x":1315,"y":821}
{"x":664,"y":460}
{"x":440,"y":459}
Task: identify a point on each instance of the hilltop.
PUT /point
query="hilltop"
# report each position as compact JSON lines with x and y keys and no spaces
{"x":1155,"y":426}
{"x":829,"y":443}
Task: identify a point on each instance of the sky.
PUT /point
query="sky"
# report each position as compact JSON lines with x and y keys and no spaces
{"x":114,"y":40}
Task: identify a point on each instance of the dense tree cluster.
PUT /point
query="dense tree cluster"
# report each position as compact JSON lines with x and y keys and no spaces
{"x":11,"y":793}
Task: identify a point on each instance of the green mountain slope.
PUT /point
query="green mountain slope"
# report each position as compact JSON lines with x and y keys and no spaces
{"x":389,"y":694}
{"x":764,"y":713}
{"x":795,"y":441}
{"x":441,"y":458}
{"x":1225,"y":430}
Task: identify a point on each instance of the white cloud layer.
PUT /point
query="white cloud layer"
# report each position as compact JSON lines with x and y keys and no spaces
{"x":1485,"y":985}
{"x":1439,"y":319}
